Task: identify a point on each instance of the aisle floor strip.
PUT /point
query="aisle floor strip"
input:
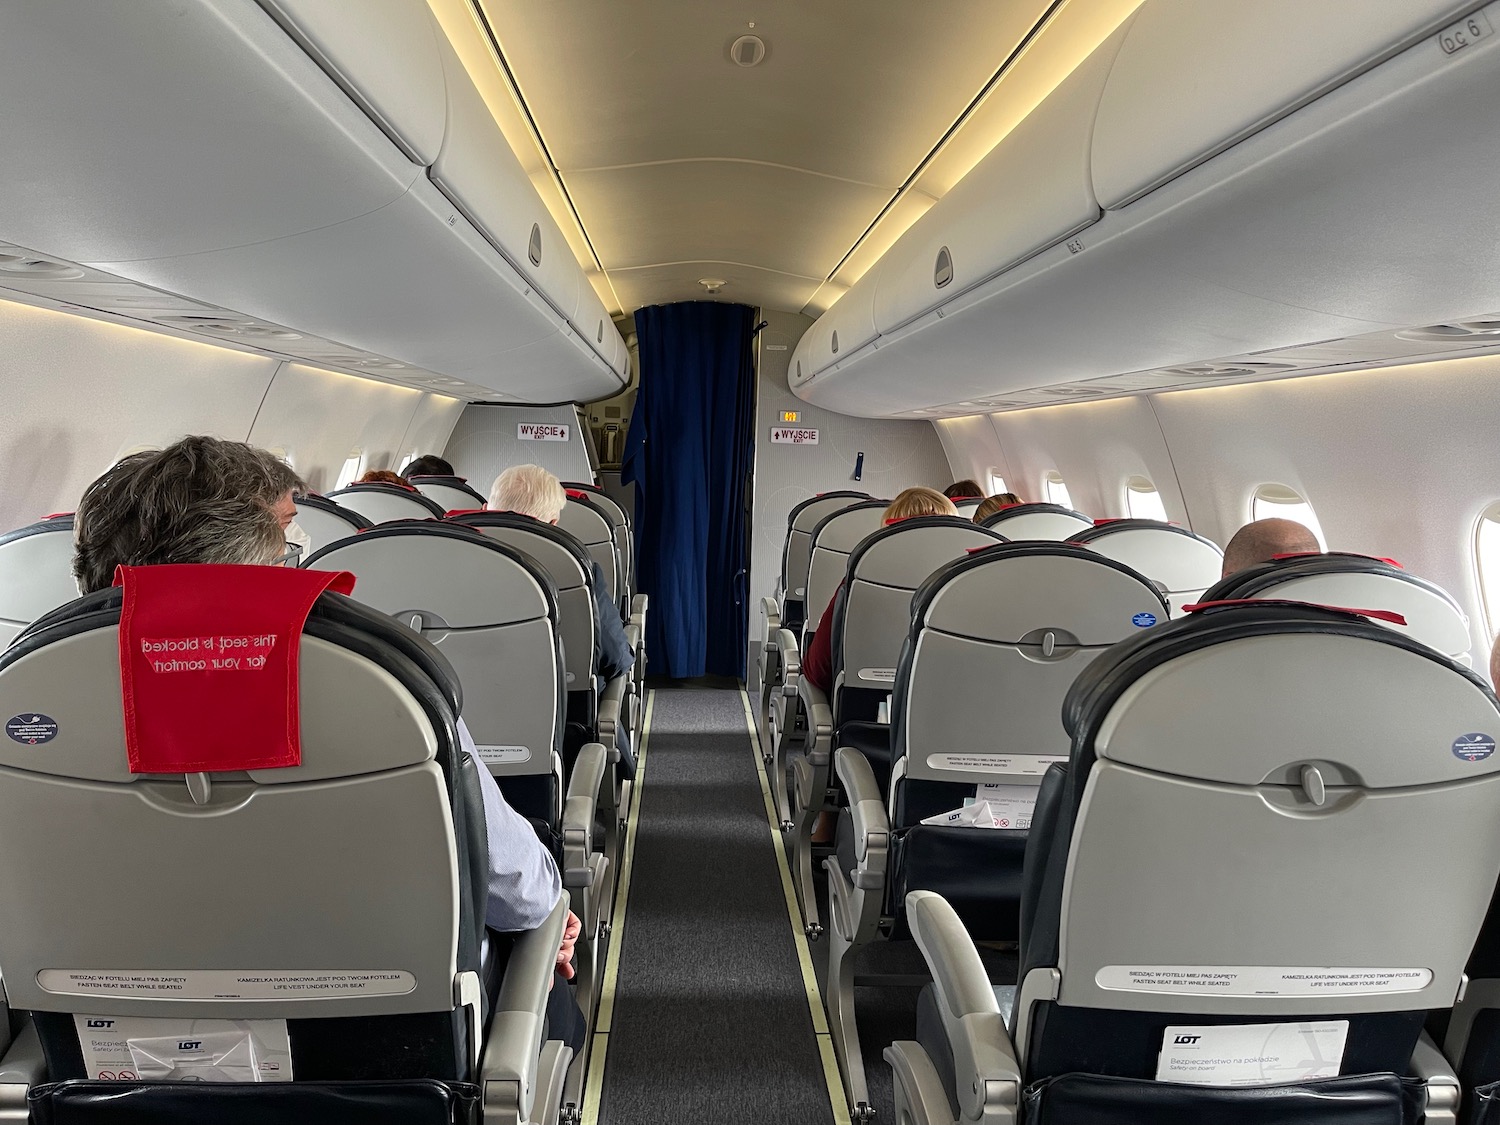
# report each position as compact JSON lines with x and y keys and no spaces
{"x":831,"y":1077}
{"x":600,"y":1046}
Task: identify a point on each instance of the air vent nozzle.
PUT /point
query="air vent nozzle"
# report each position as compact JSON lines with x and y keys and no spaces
{"x":748,"y":50}
{"x":942,"y":271}
{"x":534,"y":248}
{"x":33,"y":265}
{"x":1483,"y":328}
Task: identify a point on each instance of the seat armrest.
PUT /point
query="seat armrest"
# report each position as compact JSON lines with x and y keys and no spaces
{"x":611,"y":707}
{"x":22,"y":1063}
{"x":819,"y":720}
{"x":771,"y":610}
{"x":633,"y":637}
{"x":866,"y":805}
{"x":986,"y":1071}
{"x":785,"y":642}
{"x":1443,"y":1092}
{"x":508,"y":1071}
{"x":638,"y":606}
{"x":578,"y":811}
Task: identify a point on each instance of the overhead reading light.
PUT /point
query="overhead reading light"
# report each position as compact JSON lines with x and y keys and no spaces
{"x":712,"y":284}
{"x":33,"y":265}
{"x":748,"y":50}
{"x":1487,"y":327}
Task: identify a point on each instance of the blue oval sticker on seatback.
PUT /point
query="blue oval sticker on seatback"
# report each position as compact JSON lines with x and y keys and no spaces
{"x":1473,"y":747}
{"x":34,"y":729}
{"x":1143,"y":620}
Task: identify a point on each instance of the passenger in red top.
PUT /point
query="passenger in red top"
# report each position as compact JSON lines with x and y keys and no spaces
{"x":817,"y":664}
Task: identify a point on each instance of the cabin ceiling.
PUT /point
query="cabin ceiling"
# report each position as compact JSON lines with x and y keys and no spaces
{"x":681,"y":164}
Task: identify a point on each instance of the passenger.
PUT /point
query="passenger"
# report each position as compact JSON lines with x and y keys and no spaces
{"x":963,"y":490}
{"x":817,"y":664}
{"x":530,"y":490}
{"x":993,"y":504}
{"x":427,"y":465}
{"x":1263,"y":540}
{"x":204,"y":500}
{"x":383,"y":476}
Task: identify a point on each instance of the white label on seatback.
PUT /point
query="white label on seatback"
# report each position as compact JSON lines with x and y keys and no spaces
{"x":1253,"y":1054}
{"x":884,"y":675}
{"x":1026,"y":765}
{"x":156,"y":1048}
{"x":225,"y":984}
{"x":503,"y":755}
{"x":1259,"y":980}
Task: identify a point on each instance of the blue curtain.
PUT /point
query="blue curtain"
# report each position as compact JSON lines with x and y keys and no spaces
{"x":689,"y":453}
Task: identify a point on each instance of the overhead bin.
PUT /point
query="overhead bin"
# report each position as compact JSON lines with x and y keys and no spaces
{"x":1030,"y":192}
{"x":1366,"y":209}
{"x":1194,"y":76}
{"x":196,"y":146}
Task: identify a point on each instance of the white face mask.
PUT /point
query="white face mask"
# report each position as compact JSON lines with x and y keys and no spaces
{"x":294,"y":534}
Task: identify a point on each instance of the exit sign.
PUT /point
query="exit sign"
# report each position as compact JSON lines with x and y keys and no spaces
{"x":790,"y":435}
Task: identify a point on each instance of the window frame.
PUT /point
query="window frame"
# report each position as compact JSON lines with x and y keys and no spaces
{"x":1489,"y":606}
{"x":997,"y":483}
{"x":1053,"y":482}
{"x":1144,"y":486}
{"x":358,"y":459}
{"x":1287,"y":505}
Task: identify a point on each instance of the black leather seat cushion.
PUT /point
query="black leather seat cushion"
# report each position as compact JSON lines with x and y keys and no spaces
{"x":421,"y":1102}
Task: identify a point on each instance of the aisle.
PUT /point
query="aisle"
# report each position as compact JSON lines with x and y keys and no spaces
{"x":709,"y":1012}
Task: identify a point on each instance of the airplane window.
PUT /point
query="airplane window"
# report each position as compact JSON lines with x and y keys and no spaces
{"x":350,"y":470}
{"x":1487,"y":562}
{"x":1057,"y":491}
{"x":997,"y":483}
{"x":1276,"y":501}
{"x":1142,"y":500}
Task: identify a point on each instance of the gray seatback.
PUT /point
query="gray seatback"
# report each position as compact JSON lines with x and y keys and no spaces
{"x":327,"y":521}
{"x":997,"y":639}
{"x":36,"y":573}
{"x":575,"y":599}
{"x":1203,"y":872}
{"x":1184,"y":563}
{"x":587,"y":524}
{"x":382,"y":503}
{"x":884,"y":571}
{"x":797,"y":555}
{"x":280,"y":893}
{"x":1038,"y":521}
{"x":491,"y":611}
{"x":834,"y":538}
{"x":621,"y":523}
{"x":967,"y":505}
{"x":449,"y":497}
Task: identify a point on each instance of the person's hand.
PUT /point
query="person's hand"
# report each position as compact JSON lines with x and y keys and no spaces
{"x":565,"y":951}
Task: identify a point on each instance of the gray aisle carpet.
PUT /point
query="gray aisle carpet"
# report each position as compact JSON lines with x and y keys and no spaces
{"x":710,"y":1018}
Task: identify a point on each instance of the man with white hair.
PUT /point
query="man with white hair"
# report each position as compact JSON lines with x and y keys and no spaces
{"x":530,"y":490}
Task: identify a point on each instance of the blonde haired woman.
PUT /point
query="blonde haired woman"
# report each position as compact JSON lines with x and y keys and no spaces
{"x":817,"y":665}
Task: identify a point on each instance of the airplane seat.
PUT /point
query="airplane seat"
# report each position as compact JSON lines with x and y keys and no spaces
{"x":451,"y":493}
{"x":1210,"y":920}
{"x":787,"y":608}
{"x":967,"y":504}
{"x":238,"y":908}
{"x":1338,"y":578}
{"x":1183,"y":562}
{"x":583,"y":519}
{"x":996,"y":639}
{"x":327,"y":521}
{"x":36,"y":572}
{"x":868,"y":625}
{"x":1038,"y":521}
{"x":381,"y":503}
{"x":624,"y":537}
{"x":593,"y":716}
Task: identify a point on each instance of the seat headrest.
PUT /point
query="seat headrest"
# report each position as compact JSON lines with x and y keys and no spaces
{"x":1001,"y":593}
{"x":333,"y":508}
{"x":1240,"y":689}
{"x":382,"y":488}
{"x":904,"y":552}
{"x":528,"y":525}
{"x":842,"y":530}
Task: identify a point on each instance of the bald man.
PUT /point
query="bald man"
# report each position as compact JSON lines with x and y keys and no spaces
{"x":1263,"y":540}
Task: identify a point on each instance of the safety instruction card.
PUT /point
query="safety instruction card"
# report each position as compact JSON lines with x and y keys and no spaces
{"x":1256,"y":1054}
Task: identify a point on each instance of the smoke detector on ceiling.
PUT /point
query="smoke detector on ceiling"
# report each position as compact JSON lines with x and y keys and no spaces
{"x":747,"y":50}
{"x":712,"y":284}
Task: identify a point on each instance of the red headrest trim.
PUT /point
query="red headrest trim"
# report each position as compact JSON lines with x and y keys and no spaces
{"x":462,"y":512}
{"x":576,"y":494}
{"x":209,"y":664}
{"x":56,"y":515}
{"x":1375,"y":614}
{"x":1108,"y":519}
